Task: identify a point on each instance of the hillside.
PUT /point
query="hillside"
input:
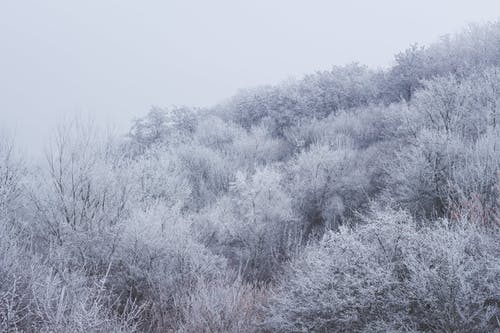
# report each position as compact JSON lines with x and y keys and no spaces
{"x":350,"y":200}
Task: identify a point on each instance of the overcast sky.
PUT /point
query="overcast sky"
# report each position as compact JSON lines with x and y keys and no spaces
{"x":112,"y":60}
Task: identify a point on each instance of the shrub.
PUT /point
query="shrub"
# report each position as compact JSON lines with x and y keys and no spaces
{"x":223,"y":306}
{"x":391,"y":275}
{"x":40,"y":296}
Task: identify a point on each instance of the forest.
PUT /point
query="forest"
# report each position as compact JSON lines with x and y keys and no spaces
{"x":349,"y":200}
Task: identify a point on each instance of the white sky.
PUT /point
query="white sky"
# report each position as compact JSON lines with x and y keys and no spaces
{"x":112,"y":60}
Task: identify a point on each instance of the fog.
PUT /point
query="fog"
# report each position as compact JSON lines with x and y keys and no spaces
{"x":288,"y":166}
{"x":112,"y":60}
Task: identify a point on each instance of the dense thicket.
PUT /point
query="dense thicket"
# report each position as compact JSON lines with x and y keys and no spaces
{"x":351,"y":200}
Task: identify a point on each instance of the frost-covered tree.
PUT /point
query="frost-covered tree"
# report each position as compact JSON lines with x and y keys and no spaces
{"x":409,"y":69}
{"x":327,"y":185}
{"x":451,"y":156}
{"x":12,"y":174}
{"x":163,"y":126}
{"x":208,"y":172}
{"x":158,"y":264}
{"x":254,"y":226}
{"x":80,"y":199}
{"x":389,"y":275}
{"x":158,"y":176}
{"x":265,"y":225}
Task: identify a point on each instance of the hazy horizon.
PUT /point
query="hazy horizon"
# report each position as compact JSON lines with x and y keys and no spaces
{"x":113,"y":60}
{"x":361,"y":197}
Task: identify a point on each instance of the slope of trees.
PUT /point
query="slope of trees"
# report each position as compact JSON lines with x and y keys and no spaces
{"x":351,"y":200}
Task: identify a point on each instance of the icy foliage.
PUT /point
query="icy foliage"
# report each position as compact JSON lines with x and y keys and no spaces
{"x":390,"y":275}
{"x":351,"y":200}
